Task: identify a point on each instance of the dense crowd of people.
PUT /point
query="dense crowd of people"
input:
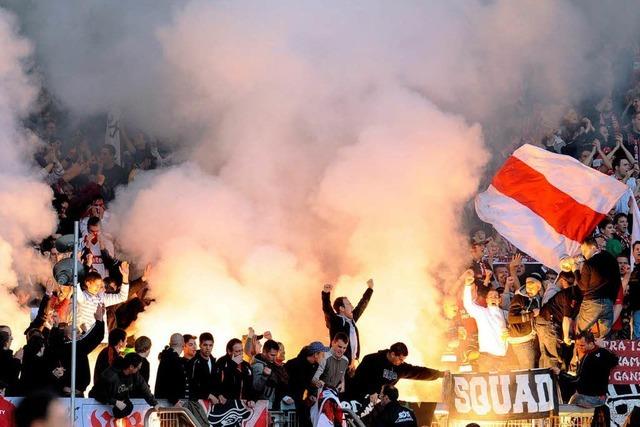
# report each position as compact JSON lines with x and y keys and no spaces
{"x":508,"y":310}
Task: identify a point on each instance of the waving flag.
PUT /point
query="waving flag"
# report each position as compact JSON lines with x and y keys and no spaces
{"x":546,"y":204}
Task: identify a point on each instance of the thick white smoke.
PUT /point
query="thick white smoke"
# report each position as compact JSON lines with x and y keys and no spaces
{"x":25,"y":212}
{"x":329,"y":142}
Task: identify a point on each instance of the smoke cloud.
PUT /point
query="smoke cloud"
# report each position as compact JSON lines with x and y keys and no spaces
{"x":25,"y":212}
{"x":327,"y":142}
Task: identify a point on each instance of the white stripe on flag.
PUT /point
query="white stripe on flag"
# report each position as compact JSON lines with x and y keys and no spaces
{"x":523,"y":228}
{"x":586,"y":185}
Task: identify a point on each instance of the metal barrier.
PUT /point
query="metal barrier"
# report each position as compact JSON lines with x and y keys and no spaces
{"x":170,"y":417}
{"x":568,"y":416}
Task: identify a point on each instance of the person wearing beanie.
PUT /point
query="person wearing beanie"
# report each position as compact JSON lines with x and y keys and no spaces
{"x":524,"y":308}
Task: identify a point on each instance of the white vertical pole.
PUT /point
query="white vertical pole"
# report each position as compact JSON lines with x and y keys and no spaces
{"x":74,"y":327}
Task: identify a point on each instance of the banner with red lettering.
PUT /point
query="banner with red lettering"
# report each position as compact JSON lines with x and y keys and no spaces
{"x":90,"y":413}
{"x":628,"y":369}
{"x":503,"y":395}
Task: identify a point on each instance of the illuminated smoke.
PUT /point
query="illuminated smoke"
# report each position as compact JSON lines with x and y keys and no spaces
{"x":328,"y":142}
{"x":25,"y":212}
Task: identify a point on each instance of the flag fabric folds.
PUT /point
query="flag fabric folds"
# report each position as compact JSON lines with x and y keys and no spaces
{"x":546,"y":204}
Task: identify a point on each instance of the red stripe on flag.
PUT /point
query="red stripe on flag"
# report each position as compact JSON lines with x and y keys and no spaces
{"x":530,"y":188}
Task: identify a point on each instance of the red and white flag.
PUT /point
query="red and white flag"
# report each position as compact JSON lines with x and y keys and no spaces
{"x":546,"y":204}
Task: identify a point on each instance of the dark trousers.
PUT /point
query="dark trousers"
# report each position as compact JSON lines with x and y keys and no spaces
{"x":525,"y":354}
{"x":550,"y":343}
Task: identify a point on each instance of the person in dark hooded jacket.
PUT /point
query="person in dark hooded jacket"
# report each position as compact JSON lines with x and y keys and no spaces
{"x":84,"y":346}
{"x":172,"y":381}
{"x":233,"y":378}
{"x":300,"y":371}
{"x":118,"y":382}
{"x":387,"y":367}
{"x":525,"y":306}
{"x":36,"y":374}
{"x":9,"y":364}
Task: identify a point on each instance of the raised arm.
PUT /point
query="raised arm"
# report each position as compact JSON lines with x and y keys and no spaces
{"x":467,"y":295}
{"x":329,"y":314}
{"x":123,"y":295}
{"x":364,"y":301}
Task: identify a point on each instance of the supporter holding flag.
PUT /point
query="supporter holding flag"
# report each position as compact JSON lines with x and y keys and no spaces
{"x":599,"y":280}
{"x":553,"y":324}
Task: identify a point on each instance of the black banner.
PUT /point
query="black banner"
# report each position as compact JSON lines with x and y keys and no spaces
{"x":503,"y":395}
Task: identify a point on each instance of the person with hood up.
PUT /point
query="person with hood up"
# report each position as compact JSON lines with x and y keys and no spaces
{"x":525,"y":307}
{"x":269,"y":379}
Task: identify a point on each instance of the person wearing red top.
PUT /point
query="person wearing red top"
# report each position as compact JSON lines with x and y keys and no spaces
{"x":6,"y":408}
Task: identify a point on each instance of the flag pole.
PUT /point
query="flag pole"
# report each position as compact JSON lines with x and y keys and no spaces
{"x":74,"y":326}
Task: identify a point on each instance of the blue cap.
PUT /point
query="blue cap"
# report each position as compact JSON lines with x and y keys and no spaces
{"x":316,"y":347}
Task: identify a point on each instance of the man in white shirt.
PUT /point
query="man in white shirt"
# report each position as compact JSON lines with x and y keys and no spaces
{"x":492,"y":325}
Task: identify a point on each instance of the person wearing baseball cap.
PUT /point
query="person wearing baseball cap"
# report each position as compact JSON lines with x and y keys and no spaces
{"x":300,"y":371}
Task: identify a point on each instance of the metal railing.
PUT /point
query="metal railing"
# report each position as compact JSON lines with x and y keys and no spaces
{"x":568,"y":416}
{"x":170,"y":417}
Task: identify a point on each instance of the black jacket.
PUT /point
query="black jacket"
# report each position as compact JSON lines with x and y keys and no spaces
{"x":201,"y":379}
{"x":336,"y":323}
{"x":233,"y":381}
{"x":375,"y":370}
{"x":114,"y":385}
{"x":393,"y":414}
{"x":268,"y":387}
{"x":172,"y":381}
{"x":9,"y":371}
{"x":102,"y":361}
{"x":521,"y":313}
{"x":36,"y":373}
{"x":592,"y":375}
{"x":634,"y":289}
{"x":84,"y":347}
{"x":599,"y":277}
{"x":300,"y":373}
